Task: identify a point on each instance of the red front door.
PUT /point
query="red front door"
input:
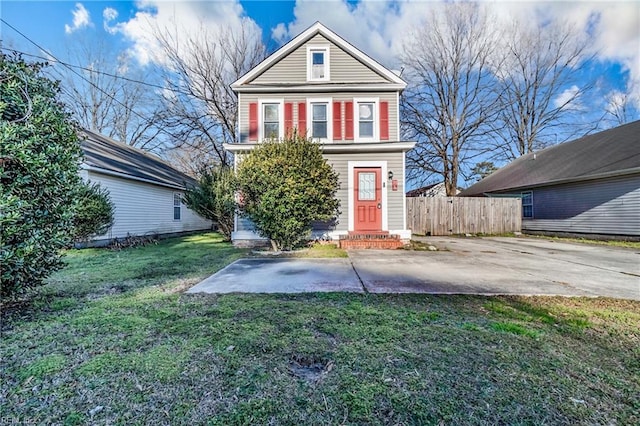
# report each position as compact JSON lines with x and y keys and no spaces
{"x":368,"y":199}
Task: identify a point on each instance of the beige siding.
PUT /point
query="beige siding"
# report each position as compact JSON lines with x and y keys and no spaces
{"x":395,"y":199}
{"x":343,"y":68}
{"x":142,"y":208}
{"x":244,"y":99}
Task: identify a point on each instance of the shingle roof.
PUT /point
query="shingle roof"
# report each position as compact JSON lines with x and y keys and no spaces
{"x":609,"y":153}
{"x":105,"y":154}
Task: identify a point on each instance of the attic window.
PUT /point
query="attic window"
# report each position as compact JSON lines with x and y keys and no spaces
{"x":318,"y":63}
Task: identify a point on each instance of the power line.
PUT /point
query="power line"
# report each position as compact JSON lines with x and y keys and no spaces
{"x":121,"y":77}
{"x":79,"y":75}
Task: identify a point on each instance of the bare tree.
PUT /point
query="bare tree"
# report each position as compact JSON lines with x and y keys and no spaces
{"x":192,"y":158}
{"x":539,"y":87}
{"x":104,"y":95}
{"x":449,"y":103}
{"x":200,"y":109}
{"x":621,"y":107}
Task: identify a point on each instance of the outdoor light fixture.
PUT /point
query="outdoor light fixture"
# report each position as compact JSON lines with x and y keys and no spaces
{"x":390,"y":175}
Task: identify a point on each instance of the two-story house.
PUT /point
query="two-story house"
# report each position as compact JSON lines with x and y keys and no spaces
{"x":348,"y":102}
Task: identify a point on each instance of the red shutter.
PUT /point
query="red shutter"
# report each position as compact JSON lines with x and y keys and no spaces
{"x":302,"y":119}
{"x":348,"y":121}
{"x":253,"y":121}
{"x":384,"y":121}
{"x":288,"y":118}
{"x":337,"y":120}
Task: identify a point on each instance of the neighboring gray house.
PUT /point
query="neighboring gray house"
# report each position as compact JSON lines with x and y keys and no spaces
{"x":587,"y":186}
{"x":146,"y":191}
{"x":342,"y":98}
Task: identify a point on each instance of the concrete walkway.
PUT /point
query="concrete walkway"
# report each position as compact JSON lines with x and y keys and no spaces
{"x":490,"y":266}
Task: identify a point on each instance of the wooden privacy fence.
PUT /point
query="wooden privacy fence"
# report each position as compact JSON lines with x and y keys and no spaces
{"x":463,"y":215}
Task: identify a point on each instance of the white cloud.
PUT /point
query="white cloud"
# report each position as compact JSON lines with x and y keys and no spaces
{"x":377,"y":27}
{"x":569,"y":99}
{"x":109,"y":15}
{"x":81,"y":19}
{"x":182,"y":20}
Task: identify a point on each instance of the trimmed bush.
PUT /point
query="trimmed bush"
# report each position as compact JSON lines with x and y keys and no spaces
{"x":214,"y":198}
{"x":94,"y":212}
{"x":286,"y":186}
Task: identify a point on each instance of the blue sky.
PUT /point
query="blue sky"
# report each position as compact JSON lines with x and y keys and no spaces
{"x":376,"y":27}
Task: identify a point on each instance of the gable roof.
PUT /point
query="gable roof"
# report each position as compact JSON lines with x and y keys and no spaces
{"x":305,"y":36}
{"x":105,"y":155}
{"x":613,"y":152}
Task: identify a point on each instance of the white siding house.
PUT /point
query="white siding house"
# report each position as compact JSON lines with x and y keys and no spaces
{"x":146,"y":191}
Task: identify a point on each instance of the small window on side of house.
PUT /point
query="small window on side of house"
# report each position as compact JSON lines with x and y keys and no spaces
{"x":527,"y":204}
{"x":177,"y":206}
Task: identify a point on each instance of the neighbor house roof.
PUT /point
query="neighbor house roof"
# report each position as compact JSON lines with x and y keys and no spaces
{"x":613,"y":152}
{"x":433,"y":190}
{"x":107,"y":156}
{"x":308,"y":34}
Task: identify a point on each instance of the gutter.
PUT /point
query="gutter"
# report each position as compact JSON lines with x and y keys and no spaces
{"x":331,"y":148}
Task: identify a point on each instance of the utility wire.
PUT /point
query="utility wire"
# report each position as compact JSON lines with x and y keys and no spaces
{"x":121,"y":77}
{"x":79,"y":75}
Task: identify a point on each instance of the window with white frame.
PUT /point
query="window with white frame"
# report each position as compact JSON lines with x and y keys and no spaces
{"x":527,"y":204}
{"x":177,"y":206}
{"x":366,"y":115}
{"x":271,"y":119}
{"x":318,"y":63}
{"x":319,"y":118}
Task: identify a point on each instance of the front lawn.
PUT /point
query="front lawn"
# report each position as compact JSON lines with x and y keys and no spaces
{"x":112,"y":340}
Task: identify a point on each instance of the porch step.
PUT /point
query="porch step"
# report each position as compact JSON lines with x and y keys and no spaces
{"x":370,"y":240}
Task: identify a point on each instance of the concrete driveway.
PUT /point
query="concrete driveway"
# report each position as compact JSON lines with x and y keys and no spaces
{"x":523,"y":266}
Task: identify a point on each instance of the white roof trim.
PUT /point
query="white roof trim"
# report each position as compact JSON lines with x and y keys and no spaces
{"x":338,"y":147}
{"x":324,"y":88}
{"x":303,"y":37}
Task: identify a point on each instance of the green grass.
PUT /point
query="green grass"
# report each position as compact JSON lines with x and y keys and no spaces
{"x":323,"y":251}
{"x":112,"y":340}
{"x":316,"y":251}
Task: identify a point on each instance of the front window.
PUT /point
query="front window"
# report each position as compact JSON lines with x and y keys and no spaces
{"x":319,"y":121}
{"x":365,"y":119}
{"x":527,"y":204}
{"x":271,"y":120}
{"x":177,"y":206}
